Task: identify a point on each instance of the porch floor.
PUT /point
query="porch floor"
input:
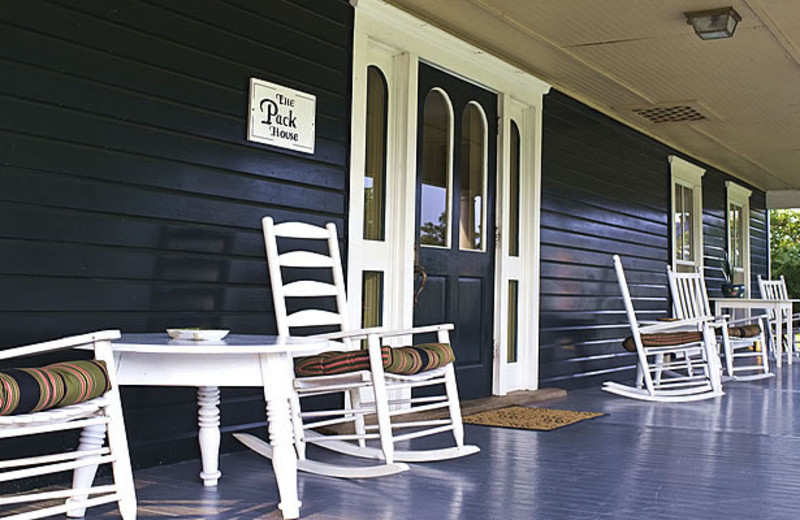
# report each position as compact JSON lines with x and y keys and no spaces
{"x":736,"y":457}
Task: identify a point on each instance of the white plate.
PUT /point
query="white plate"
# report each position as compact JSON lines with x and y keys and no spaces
{"x":197,"y":334}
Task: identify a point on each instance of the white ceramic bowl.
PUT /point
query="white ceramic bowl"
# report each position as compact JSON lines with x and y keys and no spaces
{"x":197,"y":334}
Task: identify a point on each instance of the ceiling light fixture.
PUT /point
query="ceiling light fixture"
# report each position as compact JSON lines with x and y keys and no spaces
{"x":714,"y":24}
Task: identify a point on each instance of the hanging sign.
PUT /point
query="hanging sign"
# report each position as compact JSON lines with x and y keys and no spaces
{"x":280,"y":116}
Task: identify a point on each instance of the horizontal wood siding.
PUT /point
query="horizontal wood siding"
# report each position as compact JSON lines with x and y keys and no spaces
{"x":605,"y":191}
{"x":130,"y":197}
{"x":759,"y":240}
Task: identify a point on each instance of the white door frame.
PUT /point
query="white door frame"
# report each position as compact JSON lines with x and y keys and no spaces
{"x":524,"y":268}
{"x":396,"y":42}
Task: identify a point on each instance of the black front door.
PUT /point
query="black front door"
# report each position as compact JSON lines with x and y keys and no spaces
{"x":455,"y":219}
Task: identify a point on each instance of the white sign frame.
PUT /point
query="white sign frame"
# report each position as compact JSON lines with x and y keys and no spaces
{"x":281,"y":116}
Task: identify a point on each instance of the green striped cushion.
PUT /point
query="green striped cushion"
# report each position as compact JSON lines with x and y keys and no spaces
{"x":663,"y":339}
{"x":744,"y":331}
{"x":400,"y":360}
{"x":332,"y":363}
{"x":26,"y":390}
{"x":419,"y":358}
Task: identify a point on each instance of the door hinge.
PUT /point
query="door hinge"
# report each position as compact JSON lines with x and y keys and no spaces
{"x":497,"y":236}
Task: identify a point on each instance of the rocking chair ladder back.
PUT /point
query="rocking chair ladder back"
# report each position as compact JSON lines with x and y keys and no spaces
{"x":662,"y":373}
{"x":776,"y":290}
{"x":743,"y":340}
{"x":84,"y":396}
{"x":309,"y":292}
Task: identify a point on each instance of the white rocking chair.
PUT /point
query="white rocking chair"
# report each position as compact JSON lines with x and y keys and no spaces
{"x":660,"y":373}
{"x":312,"y":294}
{"x":776,"y":290}
{"x":28,"y":389}
{"x":743,"y":341}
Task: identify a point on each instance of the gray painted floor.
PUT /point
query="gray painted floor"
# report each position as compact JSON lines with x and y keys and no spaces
{"x":736,"y":457}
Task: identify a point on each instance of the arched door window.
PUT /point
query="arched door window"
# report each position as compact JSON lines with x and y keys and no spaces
{"x":436,"y":170}
{"x":375,"y":156}
{"x":472,"y":196}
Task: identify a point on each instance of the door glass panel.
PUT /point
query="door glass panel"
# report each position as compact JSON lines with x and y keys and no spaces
{"x":435,"y":170}
{"x":513,"y":207}
{"x":375,"y":160}
{"x":472,"y":177}
{"x":513,"y":304}
{"x":372,"y":299}
{"x":684,"y":224}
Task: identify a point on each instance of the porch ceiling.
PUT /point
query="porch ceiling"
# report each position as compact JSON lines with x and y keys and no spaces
{"x":617,"y":55}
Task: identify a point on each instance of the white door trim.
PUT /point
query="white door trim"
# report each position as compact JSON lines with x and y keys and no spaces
{"x":524,"y":373}
{"x":395,"y":41}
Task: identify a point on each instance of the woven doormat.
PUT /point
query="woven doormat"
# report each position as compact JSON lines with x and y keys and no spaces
{"x":524,"y":418}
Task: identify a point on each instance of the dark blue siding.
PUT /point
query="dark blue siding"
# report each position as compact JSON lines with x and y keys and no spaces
{"x":129,"y":195}
{"x":606,"y":190}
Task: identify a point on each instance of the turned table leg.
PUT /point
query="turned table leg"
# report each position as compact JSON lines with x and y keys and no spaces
{"x":82,"y":478}
{"x":277,"y":371}
{"x":208,"y":434}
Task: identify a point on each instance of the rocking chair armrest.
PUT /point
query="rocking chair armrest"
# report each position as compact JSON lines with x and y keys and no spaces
{"x":417,"y":330}
{"x":722,"y":320}
{"x":350,"y":334}
{"x":751,"y":319}
{"x":773,"y":321}
{"x":356,"y":334}
{"x":794,"y":317}
{"x":60,"y":344}
{"x":663,"y":326}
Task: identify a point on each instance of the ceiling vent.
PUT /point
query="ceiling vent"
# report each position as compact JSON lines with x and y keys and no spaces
{"x":671,"y":113}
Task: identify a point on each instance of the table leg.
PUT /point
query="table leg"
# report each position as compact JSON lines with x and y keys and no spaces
{"x":777,"y":344}
{"x":712,"y":354}
{"x":728,"y":362}
{"x":789,"y":336}
{"x":208,"y":434}
{"x":277,"y":371}
{"x":82,"y":478}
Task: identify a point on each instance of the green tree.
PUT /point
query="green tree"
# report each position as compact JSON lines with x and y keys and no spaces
{"x":434,"y":234}
{"x":784,"y":243}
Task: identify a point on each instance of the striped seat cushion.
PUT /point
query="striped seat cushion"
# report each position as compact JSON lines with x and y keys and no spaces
{"x":744,"y":331}
{"x":663,"y":339}
{"x":399,"y":360}
{"x":26,"y":390}
{"x":334,"y":362}
{"x":419,"y":358}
